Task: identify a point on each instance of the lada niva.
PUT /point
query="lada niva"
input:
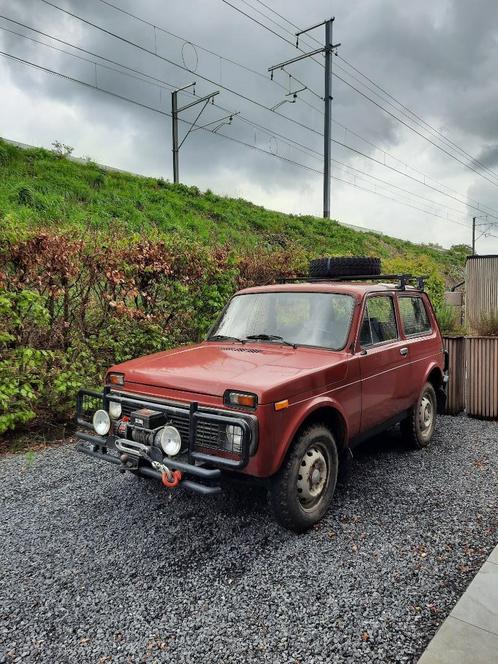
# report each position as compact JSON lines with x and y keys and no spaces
{"x":289,"y":379}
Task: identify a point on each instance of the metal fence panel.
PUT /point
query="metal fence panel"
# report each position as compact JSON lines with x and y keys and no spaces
{"x":481,"y":287}
{"x":456,"y":384}
{"x":482,"y":377}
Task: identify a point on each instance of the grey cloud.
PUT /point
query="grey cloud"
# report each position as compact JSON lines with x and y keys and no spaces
{"x":427,"y":54}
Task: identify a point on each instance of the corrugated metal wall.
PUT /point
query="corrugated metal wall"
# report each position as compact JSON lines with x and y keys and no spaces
{"x":456,"y":384}
{"x":482,"y":377}
{"x":481,"y":287}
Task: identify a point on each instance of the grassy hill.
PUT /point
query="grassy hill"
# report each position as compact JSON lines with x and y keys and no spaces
{"x":42,"y":189}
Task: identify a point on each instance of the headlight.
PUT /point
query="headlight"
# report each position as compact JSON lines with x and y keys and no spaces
{"x":115,"y":410}
{"x":101,"y":422}
{"x":170,"y":440}
{"x":234,"y":438}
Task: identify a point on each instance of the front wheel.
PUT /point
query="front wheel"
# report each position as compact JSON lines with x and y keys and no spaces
{"x":301,"y":492}
{"x":418,"y":428}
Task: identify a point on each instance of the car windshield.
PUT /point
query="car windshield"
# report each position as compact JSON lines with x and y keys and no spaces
{"x":301,"y":318}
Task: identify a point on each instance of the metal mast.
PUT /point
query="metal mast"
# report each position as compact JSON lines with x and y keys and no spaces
{"x":328,"y":50}
{"x":175,"y":111}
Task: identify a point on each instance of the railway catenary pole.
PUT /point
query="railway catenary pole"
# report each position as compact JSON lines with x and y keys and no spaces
{"x":175,"y":112}
{"x":328,"y":49}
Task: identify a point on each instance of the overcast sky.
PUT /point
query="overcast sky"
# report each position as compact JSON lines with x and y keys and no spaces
{"x":438,"y":57}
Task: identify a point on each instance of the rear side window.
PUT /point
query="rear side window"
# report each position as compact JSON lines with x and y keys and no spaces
{"x":413,"y":315}
{"x":379,"y":321}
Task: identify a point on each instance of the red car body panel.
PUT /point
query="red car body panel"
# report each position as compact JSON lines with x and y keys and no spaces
{"x":364,"y":388}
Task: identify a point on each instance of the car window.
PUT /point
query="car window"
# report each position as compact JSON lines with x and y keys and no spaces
{"x":379,"y":321}
{"x":414,"y":315}
{"x":303,"y":318}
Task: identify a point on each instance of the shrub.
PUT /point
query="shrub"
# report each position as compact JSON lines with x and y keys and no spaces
{"x":70,"y":308}
{"x":487,"y":325}
{"x":448,"y":319}
{"x":62,"y":150}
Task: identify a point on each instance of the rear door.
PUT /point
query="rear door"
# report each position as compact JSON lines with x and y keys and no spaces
{"x":385,"y":373}
{"x":421,"y":338}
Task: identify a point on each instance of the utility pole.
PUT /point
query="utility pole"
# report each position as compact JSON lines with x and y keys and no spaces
{"x":327,"y":127}
{"x":474,"y":236}
{"x":175,"y":111}
{"x":328,"y":50}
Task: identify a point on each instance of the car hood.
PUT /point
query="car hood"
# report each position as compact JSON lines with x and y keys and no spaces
{"x":271,"y":371}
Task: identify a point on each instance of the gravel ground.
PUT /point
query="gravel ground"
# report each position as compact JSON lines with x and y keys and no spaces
{"x":101,"y":567}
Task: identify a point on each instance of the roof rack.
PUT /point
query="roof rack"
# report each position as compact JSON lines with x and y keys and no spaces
{"x":403,"y":280}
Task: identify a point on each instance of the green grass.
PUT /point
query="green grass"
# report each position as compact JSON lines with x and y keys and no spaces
{"x":42,"y":190}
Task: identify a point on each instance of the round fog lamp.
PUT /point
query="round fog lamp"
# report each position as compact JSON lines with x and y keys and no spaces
{"x":234,"y":437}
{"x":101,"y":422}
{"x":114,"y":410}
{"x":171,"y":442}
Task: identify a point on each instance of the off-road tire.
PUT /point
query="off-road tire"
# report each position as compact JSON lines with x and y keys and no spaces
{"x":411,"y":428}
{"x":344,"y":266}
{"x":283,"y":492}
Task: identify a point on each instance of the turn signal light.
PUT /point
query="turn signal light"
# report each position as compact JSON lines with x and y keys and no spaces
{"x":280,"y":405}
{"x":244,"y":399}
{"x":115,"y":378}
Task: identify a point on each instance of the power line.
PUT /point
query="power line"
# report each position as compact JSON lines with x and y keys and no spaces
{"x":211,"y":52}
{"x":79,"y":57}
{"x":297,"y":145}
{"x":385,"y":92}
{"x":479,"y":207}
{"x":289,"y":142}
{"x":310,"y":37}
{"x":157,"y":83}
{"x":176,"y":64}
{"x":235,"y":140}
{"x":416,"y":131}
{"x":47,"y":2}
{"x":408,"y":126}
{"x":418,"y":117}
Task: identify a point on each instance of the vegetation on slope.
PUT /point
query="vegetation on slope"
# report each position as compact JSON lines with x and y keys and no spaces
{"x":98,"y":266}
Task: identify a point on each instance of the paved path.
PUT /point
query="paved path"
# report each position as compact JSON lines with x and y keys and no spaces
{"x":470,"y":633}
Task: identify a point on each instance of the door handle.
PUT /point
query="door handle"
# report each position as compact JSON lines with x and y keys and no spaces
{"x":403,"y":351}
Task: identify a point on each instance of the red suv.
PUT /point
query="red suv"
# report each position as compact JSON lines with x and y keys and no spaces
{"x":290,"y":378}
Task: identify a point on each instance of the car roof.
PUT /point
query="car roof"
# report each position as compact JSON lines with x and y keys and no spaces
{"x":346,"y":288}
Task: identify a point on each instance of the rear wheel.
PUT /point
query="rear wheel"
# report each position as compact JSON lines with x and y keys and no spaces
{"x":301,"y":492}
{"x":418,"y":428}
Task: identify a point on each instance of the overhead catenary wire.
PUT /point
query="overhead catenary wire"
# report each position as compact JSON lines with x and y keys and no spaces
{"x":230,"y":138}
{"x":250,"y":70}
{"x":415,"y":115}
{"x":478,"y":206}
{"x":363,"y":94}
{"x":241,"y":95}
{"x":289,"y":142}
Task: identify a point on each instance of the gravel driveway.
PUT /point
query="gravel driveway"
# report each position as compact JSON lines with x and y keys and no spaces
{"x":101,"y":567}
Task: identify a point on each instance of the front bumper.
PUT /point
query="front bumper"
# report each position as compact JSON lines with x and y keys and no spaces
{"x":201,"y":469}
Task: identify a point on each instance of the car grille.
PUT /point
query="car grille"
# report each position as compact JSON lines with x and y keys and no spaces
{"x":208,"y":434}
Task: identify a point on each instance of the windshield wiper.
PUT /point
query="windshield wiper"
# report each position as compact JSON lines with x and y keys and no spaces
{"x":270,"y":337}
{"x":224,"y":337}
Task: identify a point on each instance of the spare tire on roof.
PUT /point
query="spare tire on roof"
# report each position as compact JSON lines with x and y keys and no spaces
{"x":345,"y":266}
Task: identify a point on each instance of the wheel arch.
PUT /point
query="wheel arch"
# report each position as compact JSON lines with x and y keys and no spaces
{"x":434,"y":376}
{"x":327,"y":413}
